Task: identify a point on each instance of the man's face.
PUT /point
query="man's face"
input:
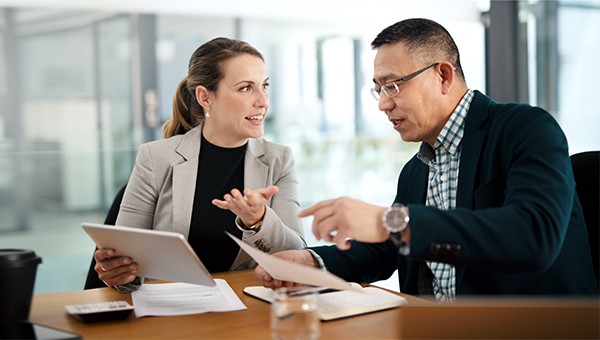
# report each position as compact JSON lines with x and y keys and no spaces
{"x":415,"y":111}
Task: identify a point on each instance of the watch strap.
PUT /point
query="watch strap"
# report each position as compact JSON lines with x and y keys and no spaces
{"x":403,"y":247}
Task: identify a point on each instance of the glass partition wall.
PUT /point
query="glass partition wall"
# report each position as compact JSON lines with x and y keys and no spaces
{"x":66,"y":132}
{"x":565,"y":51}
{"x":80,"y":90}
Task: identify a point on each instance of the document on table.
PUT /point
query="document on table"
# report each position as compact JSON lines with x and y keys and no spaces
{"x":281,"y":269}
{"x":184,"y":298}
{"x":342,"y":303}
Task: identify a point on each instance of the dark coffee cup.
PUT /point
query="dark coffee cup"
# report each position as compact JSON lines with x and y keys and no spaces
{"x":17,"y":278}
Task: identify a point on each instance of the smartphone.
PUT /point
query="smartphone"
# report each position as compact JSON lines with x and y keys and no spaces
{"x":28,"y":330}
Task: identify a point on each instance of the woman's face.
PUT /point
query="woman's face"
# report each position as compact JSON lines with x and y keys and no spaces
{"x":239,"y":105}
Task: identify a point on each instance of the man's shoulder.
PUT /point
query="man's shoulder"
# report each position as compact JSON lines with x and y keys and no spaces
{"x":508,"y":113}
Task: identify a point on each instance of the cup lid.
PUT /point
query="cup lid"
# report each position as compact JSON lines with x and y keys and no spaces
{"x":18,"y":257}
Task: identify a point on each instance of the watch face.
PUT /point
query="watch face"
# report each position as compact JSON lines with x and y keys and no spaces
{"x":395,"y":219}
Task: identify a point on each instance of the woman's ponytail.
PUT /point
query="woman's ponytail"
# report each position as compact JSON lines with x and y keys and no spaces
{"x":186,"y":112}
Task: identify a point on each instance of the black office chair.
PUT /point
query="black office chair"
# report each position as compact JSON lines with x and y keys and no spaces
{"x":93,"y":281}
{"x":586,"y":169}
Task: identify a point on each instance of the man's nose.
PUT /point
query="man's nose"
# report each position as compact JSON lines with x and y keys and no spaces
{"x":385,"y":103}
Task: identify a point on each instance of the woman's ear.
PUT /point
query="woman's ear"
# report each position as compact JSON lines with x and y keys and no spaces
{"x":203,"y":96}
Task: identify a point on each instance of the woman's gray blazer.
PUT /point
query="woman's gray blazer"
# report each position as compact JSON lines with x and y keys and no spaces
{"x":160,"y":192}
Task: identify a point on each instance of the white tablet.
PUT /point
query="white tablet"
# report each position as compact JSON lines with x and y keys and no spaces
{"x":160,"y":255}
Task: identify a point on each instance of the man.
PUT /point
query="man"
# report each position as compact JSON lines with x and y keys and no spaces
{"x":487,"y":206}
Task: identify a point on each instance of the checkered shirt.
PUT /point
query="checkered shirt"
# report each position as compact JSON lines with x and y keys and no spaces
{"x":443,"y":162}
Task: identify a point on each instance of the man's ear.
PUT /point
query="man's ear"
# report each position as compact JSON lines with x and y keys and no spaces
{"x":203,"y":96}
{"x":448,"y":73}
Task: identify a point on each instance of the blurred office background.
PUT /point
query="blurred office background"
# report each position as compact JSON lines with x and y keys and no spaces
{"x":83,"y":83}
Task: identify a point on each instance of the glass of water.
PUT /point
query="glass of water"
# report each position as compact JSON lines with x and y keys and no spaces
{"x":294,"y":313}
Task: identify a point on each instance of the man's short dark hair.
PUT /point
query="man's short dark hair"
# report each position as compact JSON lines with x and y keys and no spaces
{"x":424,"y":37}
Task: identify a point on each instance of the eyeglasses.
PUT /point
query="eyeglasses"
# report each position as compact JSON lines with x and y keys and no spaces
{"x":391,"y":88}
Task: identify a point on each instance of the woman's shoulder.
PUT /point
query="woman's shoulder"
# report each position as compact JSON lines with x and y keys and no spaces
{"x":268,"y":147}
{"x":164,"y":144}
{"x":192,"y":136}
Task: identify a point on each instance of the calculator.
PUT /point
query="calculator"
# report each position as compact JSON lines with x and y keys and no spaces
{"x":100,"y":311}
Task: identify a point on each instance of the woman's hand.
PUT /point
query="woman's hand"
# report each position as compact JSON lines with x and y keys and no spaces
{"x":114,"y":271}
{"x":249,"y":207}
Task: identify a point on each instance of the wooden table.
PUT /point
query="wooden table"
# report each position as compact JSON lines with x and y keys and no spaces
{"x":503,"y":318}
{"x":478,"y":318}
{"x":48,"y":309}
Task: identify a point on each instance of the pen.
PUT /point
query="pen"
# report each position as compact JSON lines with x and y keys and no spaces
{"x":319,"y":290}
{"x":327,"y":290}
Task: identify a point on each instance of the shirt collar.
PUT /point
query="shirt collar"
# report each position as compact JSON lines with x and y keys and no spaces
{"x":452,"y":132}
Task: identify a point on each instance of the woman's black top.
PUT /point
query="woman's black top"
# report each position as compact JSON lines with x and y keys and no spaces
{"x":219,"y":171}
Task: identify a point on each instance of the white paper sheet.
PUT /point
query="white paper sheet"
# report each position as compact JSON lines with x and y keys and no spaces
{"x":281,"y":269}
{"x":184,"y":298}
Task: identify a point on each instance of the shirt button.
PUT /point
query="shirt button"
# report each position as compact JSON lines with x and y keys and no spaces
{"x":443,"y":177}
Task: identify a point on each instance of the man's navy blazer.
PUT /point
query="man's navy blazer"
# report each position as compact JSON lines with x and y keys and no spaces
{"x":518,"y":227}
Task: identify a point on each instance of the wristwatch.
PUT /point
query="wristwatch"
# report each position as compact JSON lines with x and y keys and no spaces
{"x":395,"y":220}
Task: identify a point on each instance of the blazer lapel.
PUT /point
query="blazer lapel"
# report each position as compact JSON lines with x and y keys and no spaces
{"x":184,"y":180}
{"x":417,"y":188}
{"x":255,"y":172}
{"x":472,"y":144}
{"x":256,"y":175}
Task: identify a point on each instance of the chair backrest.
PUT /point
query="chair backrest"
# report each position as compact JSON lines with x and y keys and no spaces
{"x":586,"y":169}
{"x":93,"y":281}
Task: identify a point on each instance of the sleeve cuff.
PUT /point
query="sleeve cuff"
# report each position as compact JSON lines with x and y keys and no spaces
{"x":317,"y":258}
{"x":130,"y":287}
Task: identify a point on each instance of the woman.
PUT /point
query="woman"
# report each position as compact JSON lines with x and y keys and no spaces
{"x":213,"y":147}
